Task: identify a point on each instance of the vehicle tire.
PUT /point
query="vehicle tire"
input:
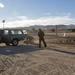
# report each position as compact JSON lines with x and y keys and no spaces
{"x":15,"y":42}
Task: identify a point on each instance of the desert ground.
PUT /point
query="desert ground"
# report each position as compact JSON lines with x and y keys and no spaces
{"x":29,"y":59}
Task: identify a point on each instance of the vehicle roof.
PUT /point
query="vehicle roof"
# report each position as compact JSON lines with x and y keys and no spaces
{"x":12,"y":29}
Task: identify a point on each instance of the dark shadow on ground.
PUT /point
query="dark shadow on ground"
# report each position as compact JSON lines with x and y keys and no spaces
{"x":8,"y":50}
{"x":63,"y":51}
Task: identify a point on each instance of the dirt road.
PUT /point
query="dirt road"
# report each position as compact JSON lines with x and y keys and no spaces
{"x":31,"y":60}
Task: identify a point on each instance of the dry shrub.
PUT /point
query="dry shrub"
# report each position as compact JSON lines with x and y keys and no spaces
{"x":29,"y":40}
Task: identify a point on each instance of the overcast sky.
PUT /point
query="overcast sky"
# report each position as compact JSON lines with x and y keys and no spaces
{"x":18,"y":13}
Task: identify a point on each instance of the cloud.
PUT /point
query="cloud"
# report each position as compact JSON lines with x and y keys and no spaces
{"x":22,"y":17}
{"x":22,"y":21}
{"x":47,"y":13}
{"x":1,"y":5}
{"x":64,"y":13}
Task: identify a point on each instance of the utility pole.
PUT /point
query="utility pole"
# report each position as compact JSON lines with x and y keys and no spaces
{"x":56,"y":30}
{"x":3,"y":23}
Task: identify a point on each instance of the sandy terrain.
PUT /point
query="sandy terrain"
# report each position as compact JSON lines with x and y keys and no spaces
{"x":31,"y":60}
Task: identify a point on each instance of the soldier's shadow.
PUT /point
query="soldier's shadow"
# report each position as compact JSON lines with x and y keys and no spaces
{"x":8,"y":50}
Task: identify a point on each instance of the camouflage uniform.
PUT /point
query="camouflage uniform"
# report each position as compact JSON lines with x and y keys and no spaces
{"x":41,"y":37}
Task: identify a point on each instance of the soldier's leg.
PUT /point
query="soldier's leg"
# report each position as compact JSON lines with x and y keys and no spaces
{"x":44,"y":42}
{"x":39,"y":42}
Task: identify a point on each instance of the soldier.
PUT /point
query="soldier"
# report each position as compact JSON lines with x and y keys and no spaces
{"x":41,"y":38}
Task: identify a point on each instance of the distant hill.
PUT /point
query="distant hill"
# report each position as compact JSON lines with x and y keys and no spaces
{"x":51,"y":26}
{"x":48,"y":27}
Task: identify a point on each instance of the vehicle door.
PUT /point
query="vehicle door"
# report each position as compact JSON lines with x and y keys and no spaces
{"x":17,"y":34}
{"x":5,"y":35}
{"x":0,"y":37}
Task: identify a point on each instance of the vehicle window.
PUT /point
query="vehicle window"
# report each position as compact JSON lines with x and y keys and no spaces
{"x":16,"y":32}
{"x":4,"y":32}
